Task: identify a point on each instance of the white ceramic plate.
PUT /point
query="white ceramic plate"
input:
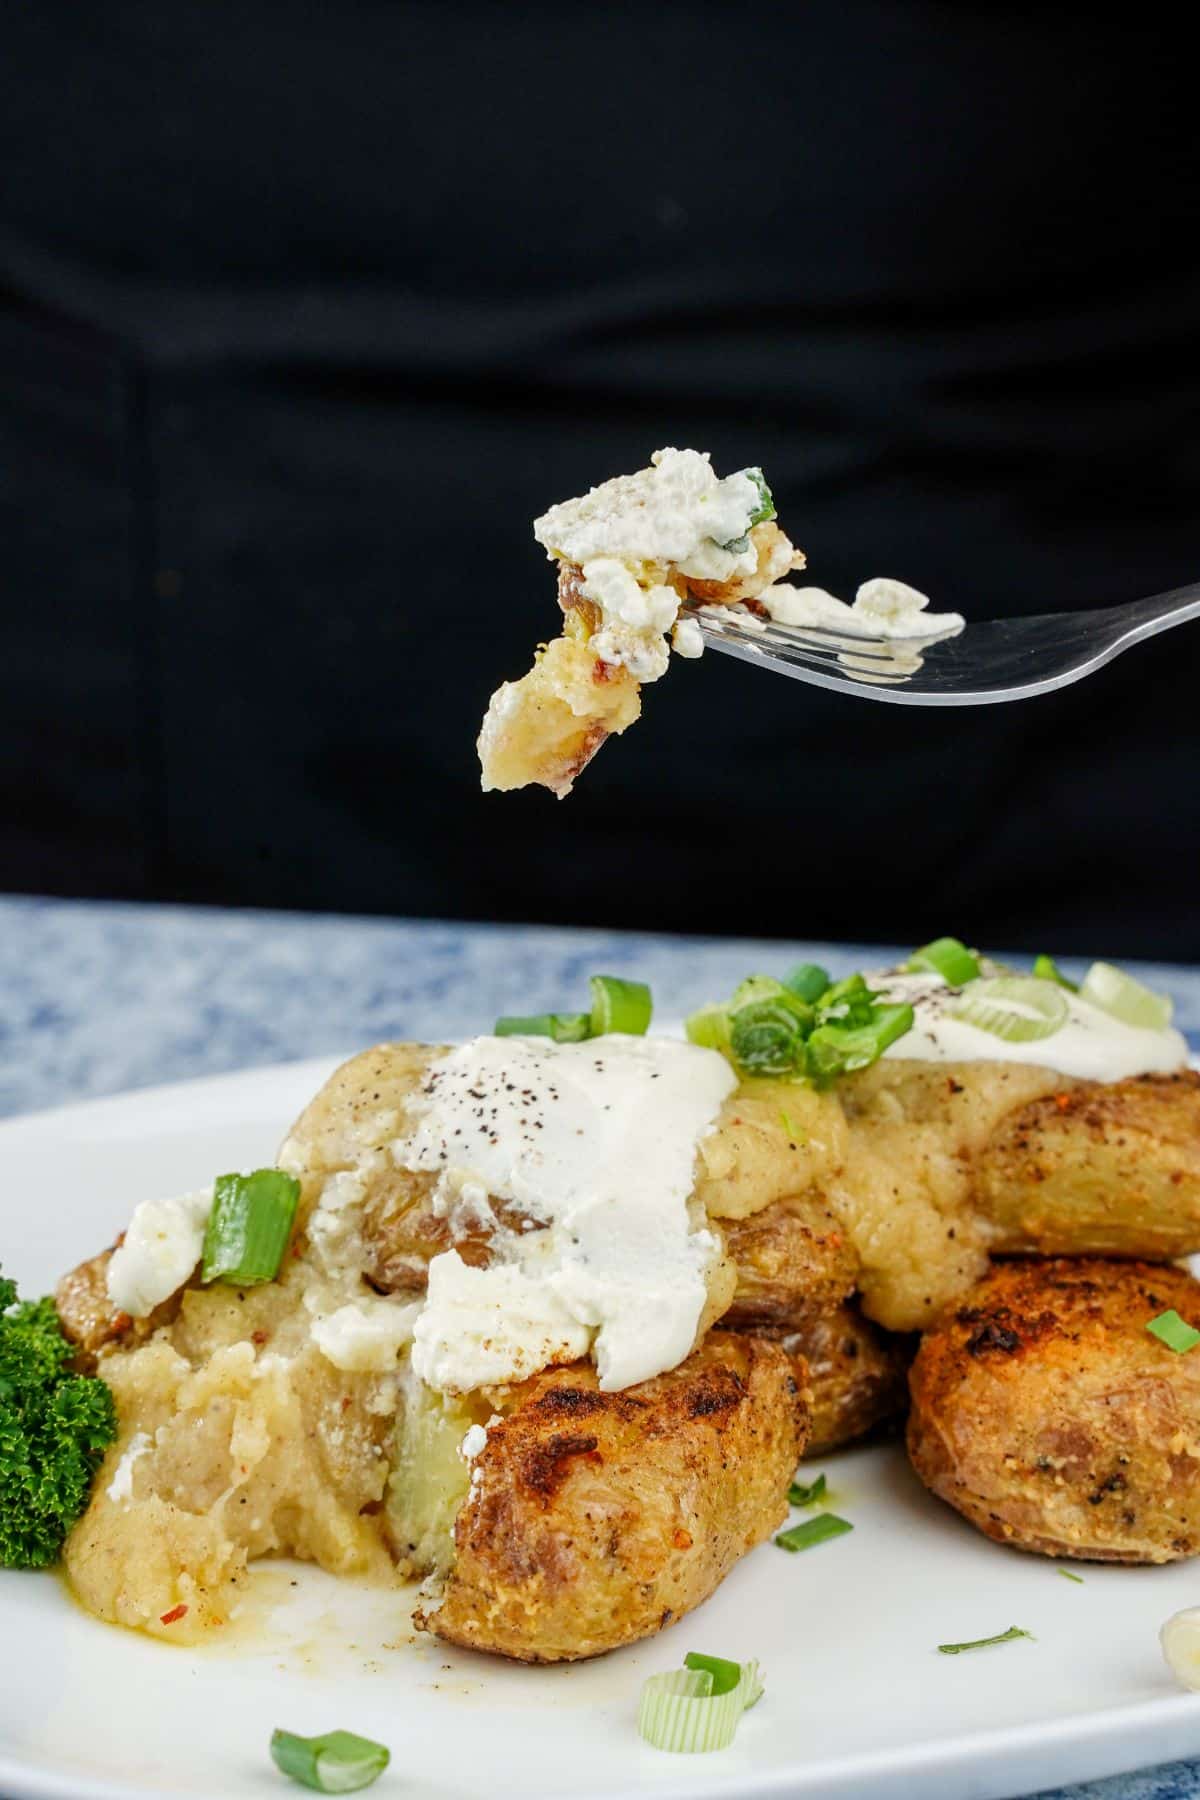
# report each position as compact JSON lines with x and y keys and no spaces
{"x":859,"y":1705}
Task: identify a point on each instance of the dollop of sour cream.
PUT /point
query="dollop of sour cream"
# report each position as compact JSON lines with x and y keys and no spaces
{"x":1090,"y":1044}
{"x":677,"y":512}
{"x":594,"y":1145}
{"x":161,"y":1247}
{"x":883,"y":608}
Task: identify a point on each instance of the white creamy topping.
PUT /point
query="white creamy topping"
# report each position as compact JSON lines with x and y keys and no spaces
{"x":121,"y":1485}
{"x":882,"y":608}
{"x":635,"y":618}
{"x":676,"y":512}
{"x":367,"y":1335}
{"x":1090,"y":1044}
{"x":474,"y":1443}
{"x":161,"y":1248}
{"x":687,"y":639}
{"x":595,"y":1144}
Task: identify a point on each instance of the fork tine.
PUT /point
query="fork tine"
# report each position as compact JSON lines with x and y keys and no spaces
{"x":790,"y":639}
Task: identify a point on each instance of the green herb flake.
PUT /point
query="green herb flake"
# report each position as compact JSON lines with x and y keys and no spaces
{"x":1001,"y":1637}
{"x":801,"y":1494}
{"x":1068,"y":1575}
{"x":813,"y":1531}
{"x":1174,"y":1332}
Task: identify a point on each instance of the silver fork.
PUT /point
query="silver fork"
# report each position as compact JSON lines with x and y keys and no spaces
{"x":975,"y":665}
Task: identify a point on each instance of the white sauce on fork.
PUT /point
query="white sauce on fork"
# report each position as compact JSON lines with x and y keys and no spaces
{"x":595,"y":1145}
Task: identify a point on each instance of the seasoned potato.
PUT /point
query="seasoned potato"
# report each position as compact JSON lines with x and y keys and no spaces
{"x":595,"y":1519}
{"x":795,"y":1264}
{"x":855,"y":1373}
{"x":1046,"y":1413}
{"x":920,"y":1169}
{"x":546,"y":727}
{"x":237,"y":1440}
{"x":1112,"y":1168}
{"x":89,"y":1318}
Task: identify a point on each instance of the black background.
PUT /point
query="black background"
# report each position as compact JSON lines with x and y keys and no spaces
{"x":307,"y":311}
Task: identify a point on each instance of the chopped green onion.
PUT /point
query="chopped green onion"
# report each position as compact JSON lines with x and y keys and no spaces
{"x":1068,"y":1575}
{"x":756,"y":987}
{"x":617,"y":1005}
{"x":838,"y":1049}
{"x":1046,"y":969}
{"x":1174,"y":1332}
{"x":564,"y":1028}
{"x":813,"y":1531}
{"x":846,"y":1000}
{"x":341,"y":1762}
{"x":946,"y":957}
{"x":1001,"y":1637}
{"x":808,"y":981}
{"x":801,"y":1495}
{"x":709,"y":1027}
{"x":767,"y":1038}
{"x":685,"y":1710}
{"x":764,"y":508}
{"x":1018,"y":1008}
{"x":1126,"y":999}
{"x":725,"y":1675}
{"x":794,"y":1132}
{"x":766,"y":505}
{"x":249,"y":1227}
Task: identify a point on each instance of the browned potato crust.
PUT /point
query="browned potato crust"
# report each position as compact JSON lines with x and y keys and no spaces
{"x":596,"y":1519}
{"x":1046,"y":1413}
{"x":89,"y":1318}
{"x":1111,"y":1168}
{"x":794,"y":1263}
{"x":855,"y":1372}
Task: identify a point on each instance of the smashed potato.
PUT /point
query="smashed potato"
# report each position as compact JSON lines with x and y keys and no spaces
{"x":1046,"y":1413}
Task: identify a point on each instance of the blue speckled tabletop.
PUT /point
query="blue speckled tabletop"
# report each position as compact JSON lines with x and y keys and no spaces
{"x":97,"y":998}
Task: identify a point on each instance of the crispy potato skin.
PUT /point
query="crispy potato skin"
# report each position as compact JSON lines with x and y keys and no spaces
{"x":856,"y":1375}
{"x":1046,"y":1413}
{"x":91,"y":1321}
{"x":795,"y":1264}
{"x":1108,"y":1168}
{"x":596,"y":1519}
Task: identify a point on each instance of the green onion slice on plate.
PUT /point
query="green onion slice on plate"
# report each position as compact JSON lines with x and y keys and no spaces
{"x":618,"y":1005}
{"x":1174,"y":1332}
{"x":698,"y":1707}
{"x":1001,"y":1637}
{"x":341,"y":1762}
{"x":806,"y":1494}
{"x":564,"y":1028}
{"x":1126,"y":999}
{"x":946,"y":957}
{"x":813,"y":1531}
{"x":248,"y":1227}
{"x":1018,"y":1008}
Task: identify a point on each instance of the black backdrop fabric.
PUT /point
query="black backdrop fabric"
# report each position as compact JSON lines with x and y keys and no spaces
{"x":307,"y":311}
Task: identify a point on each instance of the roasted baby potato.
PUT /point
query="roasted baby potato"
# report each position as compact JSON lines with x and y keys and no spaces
{"x":1046,"y":1413}
{"x":856,"y":1375}
{"x":795,"y":1264}
{"x":595,"y":1519}
{"x":1107,"y":1167}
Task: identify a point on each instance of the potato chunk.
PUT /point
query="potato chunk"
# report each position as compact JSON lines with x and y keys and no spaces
{"x":595,"y":1519}
{"x":1046,"y":1413}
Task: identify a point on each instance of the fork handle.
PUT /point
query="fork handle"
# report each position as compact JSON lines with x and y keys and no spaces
{"x":1146,"y":618}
